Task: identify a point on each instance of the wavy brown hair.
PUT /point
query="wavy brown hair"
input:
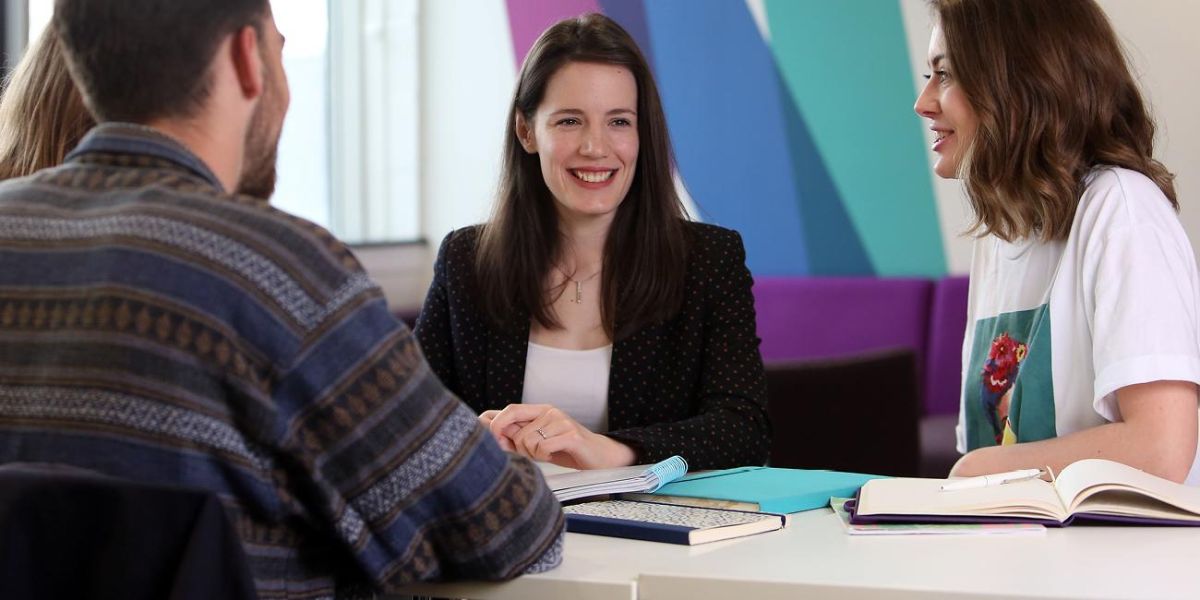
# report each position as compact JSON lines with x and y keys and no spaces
{"x":42,"y":116}
{"x":1054,"y":97}
{"x":646,"y":249}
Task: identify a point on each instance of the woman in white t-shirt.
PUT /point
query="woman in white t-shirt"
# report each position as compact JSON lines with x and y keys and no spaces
{"x":1083,"y":338}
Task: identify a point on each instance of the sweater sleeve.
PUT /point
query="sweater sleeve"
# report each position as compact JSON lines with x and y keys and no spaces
{"x":397,"y":469}
{"x":731,"y":426}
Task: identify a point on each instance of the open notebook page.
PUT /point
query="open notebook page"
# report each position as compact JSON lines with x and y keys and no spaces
{"x":1102,"y":486}
{"x":1031,"y":498}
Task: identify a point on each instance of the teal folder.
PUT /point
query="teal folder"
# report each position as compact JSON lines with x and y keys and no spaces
{"x":764,"y":489}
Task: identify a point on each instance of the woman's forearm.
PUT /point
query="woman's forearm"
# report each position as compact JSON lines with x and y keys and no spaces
{"x":1158,"y":435}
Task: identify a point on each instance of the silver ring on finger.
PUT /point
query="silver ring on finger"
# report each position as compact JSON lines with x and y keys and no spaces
{"x":542,"y":433}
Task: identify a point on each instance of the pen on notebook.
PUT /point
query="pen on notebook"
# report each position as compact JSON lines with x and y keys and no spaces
{"x":993,"y":479}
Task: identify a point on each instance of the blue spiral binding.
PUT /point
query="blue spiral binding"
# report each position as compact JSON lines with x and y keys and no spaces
{"x":667,"y":471}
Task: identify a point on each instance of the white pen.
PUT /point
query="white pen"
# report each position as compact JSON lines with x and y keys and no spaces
{"x":990,"y":480}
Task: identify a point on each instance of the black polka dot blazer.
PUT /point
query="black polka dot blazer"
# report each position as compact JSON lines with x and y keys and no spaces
{"x":691,"y":386}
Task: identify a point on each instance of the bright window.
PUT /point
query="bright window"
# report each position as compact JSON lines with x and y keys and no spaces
{"x":348,"y":155}
{"x":303,"y":186}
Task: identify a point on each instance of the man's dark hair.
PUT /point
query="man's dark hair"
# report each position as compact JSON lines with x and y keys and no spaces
{"x":138,"y":60}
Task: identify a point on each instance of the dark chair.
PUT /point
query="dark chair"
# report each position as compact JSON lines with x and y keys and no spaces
{"x":68,"y":533}
{"x":858,"y":413}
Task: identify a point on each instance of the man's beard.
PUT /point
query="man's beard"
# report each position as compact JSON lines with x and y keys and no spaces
{"x":262,"y":148}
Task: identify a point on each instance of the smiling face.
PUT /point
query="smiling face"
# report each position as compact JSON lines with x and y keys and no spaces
{"x":944,"y":103}
{"x":585,"y":134}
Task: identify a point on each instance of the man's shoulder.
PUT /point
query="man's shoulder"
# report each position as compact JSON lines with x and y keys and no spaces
{"x":304,"y":259}
{"x":300,"y":236}
{"x":245,"y":241}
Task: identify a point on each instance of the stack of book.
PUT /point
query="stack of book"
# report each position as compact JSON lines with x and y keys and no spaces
{"x":764,"y":489}
{"x":659,"y":503}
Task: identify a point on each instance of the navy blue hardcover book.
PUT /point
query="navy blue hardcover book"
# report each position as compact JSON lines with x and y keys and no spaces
{"x":668,"y":523}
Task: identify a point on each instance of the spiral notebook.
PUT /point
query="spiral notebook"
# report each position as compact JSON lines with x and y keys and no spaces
{"x":639,"y":478}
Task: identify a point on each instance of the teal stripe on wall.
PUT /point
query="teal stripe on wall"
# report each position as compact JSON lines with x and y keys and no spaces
{"x":846,"y":65}
{"x":834,"y":247}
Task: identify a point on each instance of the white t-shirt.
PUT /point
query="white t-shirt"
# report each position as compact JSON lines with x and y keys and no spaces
{"x":574,"y":381}
{"x":1055,"y":329}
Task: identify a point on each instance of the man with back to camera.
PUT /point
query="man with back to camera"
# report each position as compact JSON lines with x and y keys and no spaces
{"x":155,"y":327}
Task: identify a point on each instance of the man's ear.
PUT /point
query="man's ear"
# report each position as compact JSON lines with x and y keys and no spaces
{"x":247,"y":62}
{"x":524,"y":133}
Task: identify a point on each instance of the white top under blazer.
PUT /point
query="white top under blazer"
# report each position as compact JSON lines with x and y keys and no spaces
{"x":574,"y":381}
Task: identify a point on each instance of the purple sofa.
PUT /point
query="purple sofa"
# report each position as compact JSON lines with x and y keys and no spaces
{"x":825,"y":317}
{"x":943,"y":350}
{"x":943,"y":376}
{"x":819,"y":318}
{"x":834,"y":317}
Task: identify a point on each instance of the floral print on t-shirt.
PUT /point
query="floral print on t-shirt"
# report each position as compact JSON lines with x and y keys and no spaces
{"x":1010,"y":398}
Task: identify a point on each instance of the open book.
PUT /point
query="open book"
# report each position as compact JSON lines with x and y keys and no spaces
{"x":1089,"y":489}
{"x":639,"y":478}
{"x":937,"y":529}
{"x":668,"y":523}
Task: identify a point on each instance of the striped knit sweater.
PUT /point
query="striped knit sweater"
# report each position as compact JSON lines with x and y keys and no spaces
{"x":154,"y":328}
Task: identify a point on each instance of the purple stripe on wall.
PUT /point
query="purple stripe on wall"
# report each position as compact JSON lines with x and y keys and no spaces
{"x":529,"y":18}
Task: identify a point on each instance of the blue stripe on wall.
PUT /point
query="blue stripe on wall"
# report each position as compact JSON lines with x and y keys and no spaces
{"x":722,"y":98}
{"x":631,"y":14}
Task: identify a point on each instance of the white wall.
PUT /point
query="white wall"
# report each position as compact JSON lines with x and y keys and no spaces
{"x":303,"y":184}
{"x":1160,"y":38}
{"x":468,"y":73}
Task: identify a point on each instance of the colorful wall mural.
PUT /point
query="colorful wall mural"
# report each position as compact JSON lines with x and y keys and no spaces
{"x":792,"y":123}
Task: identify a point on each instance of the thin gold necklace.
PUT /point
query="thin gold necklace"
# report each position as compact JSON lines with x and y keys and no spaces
{"x":578,"y":283}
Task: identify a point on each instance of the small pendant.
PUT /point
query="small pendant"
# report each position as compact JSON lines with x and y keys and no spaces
{"x":578,"y":292}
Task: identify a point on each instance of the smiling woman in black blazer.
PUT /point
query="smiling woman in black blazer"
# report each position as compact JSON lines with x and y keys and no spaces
{"x":588,"y":321}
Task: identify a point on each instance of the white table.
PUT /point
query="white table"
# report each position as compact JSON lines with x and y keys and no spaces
{"x":813,"y":557}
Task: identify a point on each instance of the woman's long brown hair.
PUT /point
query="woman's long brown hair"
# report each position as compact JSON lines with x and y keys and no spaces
{"x":42,"y":116}
{"x":646,"y":249}
{"x":1054,"y":97}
